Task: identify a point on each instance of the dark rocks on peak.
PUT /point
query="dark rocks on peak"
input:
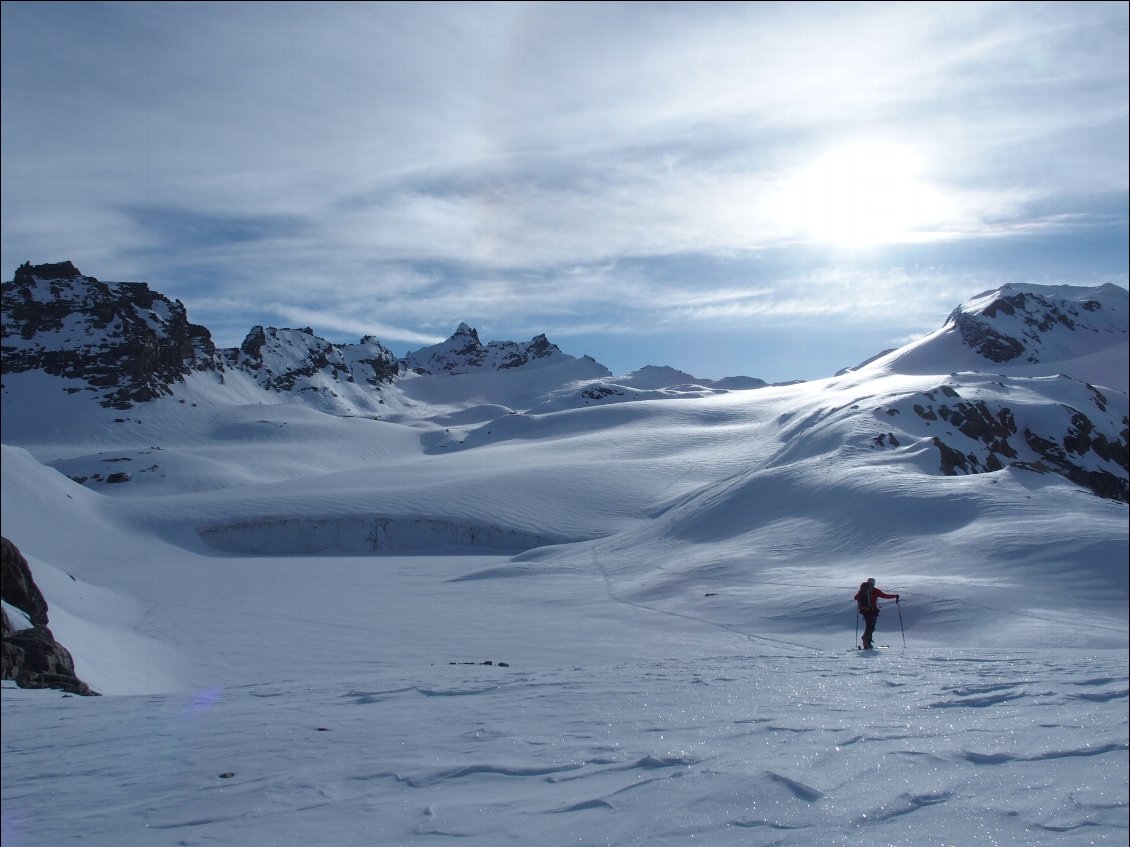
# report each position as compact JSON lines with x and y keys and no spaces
{"x":466,"y":329}
{"x":252,"y":345}
{"x":540,"y":346}
{"x":126,"y":342}
{"x":463,"y":352}
{"x":979,"y":336}
{"x":27,"y":272}
{"x":1015,"y":326}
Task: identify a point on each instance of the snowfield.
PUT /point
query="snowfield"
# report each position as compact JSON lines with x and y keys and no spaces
{"x":547,"y":622}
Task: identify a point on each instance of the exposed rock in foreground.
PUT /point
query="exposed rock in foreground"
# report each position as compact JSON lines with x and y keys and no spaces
{"x":30,"y":655}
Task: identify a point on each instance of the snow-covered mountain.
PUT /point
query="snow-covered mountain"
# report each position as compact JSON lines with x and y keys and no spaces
{"x":119,"y":341}
{"x":1022,"y":330}
{"x":122,"y":344}
{"x":464,"y":353}
{"x":304,"y":555}
{"x":1063,"y":350}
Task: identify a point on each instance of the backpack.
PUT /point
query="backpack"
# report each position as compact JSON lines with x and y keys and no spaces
{"x":864,"y":599}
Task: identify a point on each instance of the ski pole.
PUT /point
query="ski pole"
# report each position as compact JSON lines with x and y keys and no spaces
{"x":857,"y":627}
{"x":903,"y":631}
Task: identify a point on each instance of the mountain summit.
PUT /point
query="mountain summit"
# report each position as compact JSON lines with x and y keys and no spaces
{"x":119,"y":341}
{"x":464,"y":353}
{"x":1027,"y":330}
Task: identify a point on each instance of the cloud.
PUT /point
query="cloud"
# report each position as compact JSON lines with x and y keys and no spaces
{"x":584,"y":165}
{"x":189,"y":229}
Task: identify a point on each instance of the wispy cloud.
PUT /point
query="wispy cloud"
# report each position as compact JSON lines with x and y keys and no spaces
{"x":613,"y":165}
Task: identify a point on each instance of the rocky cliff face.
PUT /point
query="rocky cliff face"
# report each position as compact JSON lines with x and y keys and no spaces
{"x":119,"y":341}
{"x":29,"y":654}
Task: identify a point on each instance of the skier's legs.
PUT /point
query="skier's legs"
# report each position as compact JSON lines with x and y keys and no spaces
{"x":869,"y":630}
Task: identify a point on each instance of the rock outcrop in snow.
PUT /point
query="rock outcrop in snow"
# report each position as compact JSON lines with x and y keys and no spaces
{"x":30,"y":655}
{"x":1047,"y":425}
{"x":334,"y":378}
{"x":1057,"y":402}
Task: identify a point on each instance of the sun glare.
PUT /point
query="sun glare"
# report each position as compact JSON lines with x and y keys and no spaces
{"x":864,"y":194}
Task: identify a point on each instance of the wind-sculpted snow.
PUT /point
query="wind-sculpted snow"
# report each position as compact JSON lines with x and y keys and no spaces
{"x":793,"y":749}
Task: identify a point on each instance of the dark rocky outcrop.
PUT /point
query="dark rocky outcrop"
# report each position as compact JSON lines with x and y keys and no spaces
{"x":1016,"y":325}
{"x":31,"y":656}
{"x":126,"y":343}
{"x":998,"y":441}
{"x":978,"y":335}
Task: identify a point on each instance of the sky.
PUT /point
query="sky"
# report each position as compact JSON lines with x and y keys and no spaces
{"x":772,"y":190}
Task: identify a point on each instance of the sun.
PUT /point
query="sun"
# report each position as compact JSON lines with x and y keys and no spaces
{"x":863,"y":194}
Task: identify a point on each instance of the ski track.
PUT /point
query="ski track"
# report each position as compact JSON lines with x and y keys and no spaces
{"x":717,"y":748}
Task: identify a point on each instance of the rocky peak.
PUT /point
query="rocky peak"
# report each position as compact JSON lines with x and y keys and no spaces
{"x":27,"y":272}
{"x":121,"y":341}
{"x":297,"y":360}
{"x":1029,"y":324}
{"x":464,"y":353}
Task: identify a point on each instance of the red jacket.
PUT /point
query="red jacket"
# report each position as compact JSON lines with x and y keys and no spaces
{"x":868,"y":603}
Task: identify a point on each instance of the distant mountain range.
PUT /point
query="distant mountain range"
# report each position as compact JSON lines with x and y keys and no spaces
{"x":122,"y":345}
{"x":997,"y":444}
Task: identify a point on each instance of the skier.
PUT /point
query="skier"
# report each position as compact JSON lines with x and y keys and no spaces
{"x":867,"y":601}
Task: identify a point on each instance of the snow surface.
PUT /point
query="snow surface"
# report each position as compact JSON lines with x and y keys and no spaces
{"x":290,"y":615}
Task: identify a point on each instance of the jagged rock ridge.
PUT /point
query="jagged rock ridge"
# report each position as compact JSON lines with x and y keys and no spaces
{"x":126,"y":344}
{"x":370,"y":360}
{"x":464,"y":353}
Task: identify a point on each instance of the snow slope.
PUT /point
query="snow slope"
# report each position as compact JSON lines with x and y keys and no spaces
{"x":290,"y":614}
